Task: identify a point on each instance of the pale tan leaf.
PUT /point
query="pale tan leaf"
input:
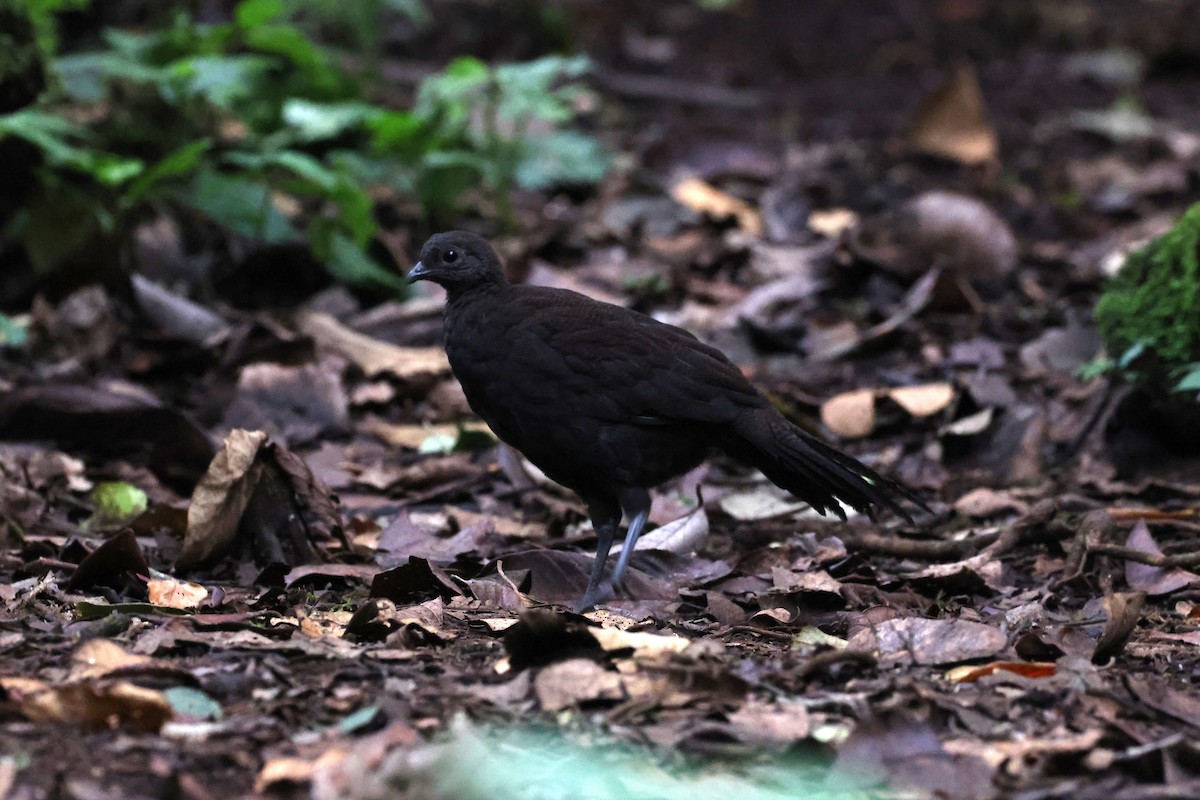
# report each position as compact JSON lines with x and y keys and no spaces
{"x":924,"y":400}
{"x":372,"y":356}
{"x":175,"y":594}
{"x":705,"y":198}
{"x":850,"y":415}
{"x":952,"y":121}
{"x":220,"y":498}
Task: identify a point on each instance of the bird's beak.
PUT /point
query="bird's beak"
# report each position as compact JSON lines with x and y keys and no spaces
{"x":418,"y":272}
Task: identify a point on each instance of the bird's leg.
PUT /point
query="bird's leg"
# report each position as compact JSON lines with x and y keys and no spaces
{"x":635,"y":530}
{"x":605,"y":531}
{"x":635,"y":502}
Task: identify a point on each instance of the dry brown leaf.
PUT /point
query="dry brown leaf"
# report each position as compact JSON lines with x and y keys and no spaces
{"x":924,"y":400}
{"x":98,"y":657}
{"x":985,"y":502}
{"x":574,"y":681}
{"x":772,"y":722}
{"x":683,"y":535}
{"x":705,"y":198}
{"x":1147,"y":578}
{"x":1028,"y":669}
{"x":833,"y":222}
{"x":643,"y":644}
{"x":372,"y":356}
{"x":94,"y":703}
{"x":1122,"y":611}
{"x":220,"y":498}
{"x":765,"y":501}
{"x":930,"y":641}
{"x":952,"y":121}
{"x":850,"y":415}
{"x":175,"y":594}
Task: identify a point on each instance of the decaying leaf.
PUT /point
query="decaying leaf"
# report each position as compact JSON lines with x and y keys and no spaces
{"x":952,"y":121}
{"x":372,"y":356}
{"x":851,"y":415}
{"x":174,"y":593}
{"x":704,"y":198}
{"x":221,"y":497}
{"x":930,"y":641}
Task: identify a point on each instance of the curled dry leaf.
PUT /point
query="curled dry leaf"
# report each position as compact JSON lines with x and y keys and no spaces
{"x":952,"y":121}
{"x":175,"y":594}
{"x":684,"y":535}
{"x":851,"y":415}
{"x":1028,"y":669}
{"x":221,"y":497}
{"x":1122,"y":611}
{"x":704,"y":198}
{"x":372,"y":356}
{"x":1150,"y":579}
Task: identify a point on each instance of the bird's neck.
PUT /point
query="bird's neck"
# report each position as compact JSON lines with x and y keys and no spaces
{"x":457,"y":296}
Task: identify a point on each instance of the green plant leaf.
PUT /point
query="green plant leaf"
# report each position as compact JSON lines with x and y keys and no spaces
{"x":1131,"y":355}
{"x":562,"y":157}
{"x":349,"y":263}
{"x":11,"y":334}
{"x":223,"y":81}
{"x":118,"y":502}
{"x":181,"y":161}
{"x":312,"y":122}
{"x":250,"y":13}
{"x":1190,"y":382}
{"x":240,"y":204}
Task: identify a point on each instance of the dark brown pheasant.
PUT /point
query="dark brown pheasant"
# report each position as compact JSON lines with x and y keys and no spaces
{"x":609,"y":402}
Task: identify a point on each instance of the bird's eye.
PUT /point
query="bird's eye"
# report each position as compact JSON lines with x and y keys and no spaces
{"x":450,"y":256}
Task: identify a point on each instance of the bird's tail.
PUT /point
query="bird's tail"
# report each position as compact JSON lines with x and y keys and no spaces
{"x":813,"y":471}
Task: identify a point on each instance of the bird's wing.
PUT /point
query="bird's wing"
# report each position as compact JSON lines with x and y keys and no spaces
{"x":624,"y":366}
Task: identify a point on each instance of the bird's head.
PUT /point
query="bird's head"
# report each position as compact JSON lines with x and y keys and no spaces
{"x":457,"y":260}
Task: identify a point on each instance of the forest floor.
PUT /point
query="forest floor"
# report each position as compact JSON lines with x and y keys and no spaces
{"x":896,"y":219}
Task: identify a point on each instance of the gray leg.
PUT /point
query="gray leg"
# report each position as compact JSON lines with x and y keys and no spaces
{"x":604,"y":539}
{"x":635,"y":530}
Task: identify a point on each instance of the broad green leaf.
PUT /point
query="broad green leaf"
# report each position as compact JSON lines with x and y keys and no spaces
{"x":182,"y":161}
{"x":240,"y":204}
{"x":564,"y":157}
{"x":250,"y":13}
{"x":347,"y":262}
{"x":316,"y":121}
{"x":223,"y":80}
{"x":115,"y":170}
{"x":395,"y":130}
{"x":85,"y":610}
{"x":1190,"y":382}
{"x":291,"y":43}
{"x":118,"y":502}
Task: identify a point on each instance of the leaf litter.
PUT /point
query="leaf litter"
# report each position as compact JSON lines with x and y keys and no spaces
{"x":307,"y":574}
